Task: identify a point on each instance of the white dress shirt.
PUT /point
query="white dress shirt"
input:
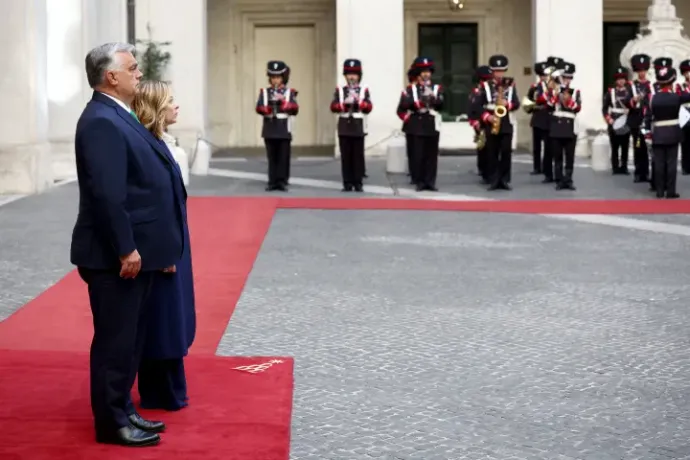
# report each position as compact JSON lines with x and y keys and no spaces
{"x":118,"y":102}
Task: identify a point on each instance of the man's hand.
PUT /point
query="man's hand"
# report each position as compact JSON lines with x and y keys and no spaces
{"x":131,"y":264}
{"x":170,"y":269}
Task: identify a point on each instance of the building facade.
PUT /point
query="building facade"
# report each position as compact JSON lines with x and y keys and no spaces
{"x":220,"y":48}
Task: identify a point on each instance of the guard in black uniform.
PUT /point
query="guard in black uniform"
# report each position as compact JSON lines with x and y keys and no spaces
{"x":500,"y":90}
{"x":539,"y":118}
{"x":277,"y":104}
{"x":483,"y":75}
{"x":685,"y":146}
{"x":663,"y":129}
{"x":617,"y":103}
{"x":352,"y":103}
{"x":411,"y":77}
{"x":659,"y":63}
{"x":640,"y":88}
{"x":565,"y":103}
{"x":423,"y":100}
{"x":553,"y":64}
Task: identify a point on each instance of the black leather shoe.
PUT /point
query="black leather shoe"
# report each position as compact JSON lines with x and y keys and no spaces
{"x":129,"y":436}
{"x":420,"y":188}
{"x":547,"y":180}
{"x":494,"y":187}
{"x":359,"y":188}
{"x":147,"y":425}
{"x":672,"y":196}
{"x":347,"y":188}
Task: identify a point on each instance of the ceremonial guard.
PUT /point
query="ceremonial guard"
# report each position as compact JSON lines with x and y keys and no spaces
{"x":423,"y":100}
{"x":662,"y":128}
{"x":617,"y":103}
{"x":685,"y":146}
{"x":641,"y":88}
{"x":483,"y":75}
{"x":352,"y":103}
{"x":659,"y":63}
{"x":277,"y":104}
{"x":565,"y":103}
{"x":498,"y":99}
{"x":539,"y":117}
{"x":411,"y":77}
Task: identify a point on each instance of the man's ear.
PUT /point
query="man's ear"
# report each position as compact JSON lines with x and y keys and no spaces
{"x":111,"y":77}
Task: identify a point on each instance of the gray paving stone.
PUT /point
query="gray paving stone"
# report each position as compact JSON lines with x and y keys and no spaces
{"x":451,"y":335}
{"x":443,"y":335}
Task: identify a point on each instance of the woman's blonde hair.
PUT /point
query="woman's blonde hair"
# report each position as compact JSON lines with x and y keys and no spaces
{"x":150,"y":103}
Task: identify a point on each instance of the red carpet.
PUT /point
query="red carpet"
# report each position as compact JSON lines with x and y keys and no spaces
{"x":234,"y":415}
{"x":226,"y":237}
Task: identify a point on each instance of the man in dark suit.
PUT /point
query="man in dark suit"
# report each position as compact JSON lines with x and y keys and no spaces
{"x":129,"y":228}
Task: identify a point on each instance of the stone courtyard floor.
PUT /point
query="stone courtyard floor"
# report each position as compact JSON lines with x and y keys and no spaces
{"x":444,"y":335}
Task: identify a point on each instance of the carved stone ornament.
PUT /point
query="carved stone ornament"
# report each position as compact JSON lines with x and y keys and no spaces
{"x":661,"y":35}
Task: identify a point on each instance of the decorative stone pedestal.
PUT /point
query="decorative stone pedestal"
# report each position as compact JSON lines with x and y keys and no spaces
{"x":663,"y":35}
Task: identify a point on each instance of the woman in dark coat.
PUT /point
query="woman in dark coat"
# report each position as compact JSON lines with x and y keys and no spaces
{"x":172,"y":321}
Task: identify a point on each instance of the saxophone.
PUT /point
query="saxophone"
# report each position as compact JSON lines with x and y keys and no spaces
{"x":500,"y":111}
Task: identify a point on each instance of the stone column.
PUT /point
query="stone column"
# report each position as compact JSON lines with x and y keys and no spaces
{"x":573,"y":30}
{"x":183,"y":23}
{"x":24,"y":150}
{"x":73,"y":28}
{"x":373,"y":31}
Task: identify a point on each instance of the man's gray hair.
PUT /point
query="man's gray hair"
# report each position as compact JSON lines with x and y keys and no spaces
{"x":101,"y":59}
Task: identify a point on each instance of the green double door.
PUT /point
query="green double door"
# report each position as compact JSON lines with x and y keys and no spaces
{"x":453,"y":47}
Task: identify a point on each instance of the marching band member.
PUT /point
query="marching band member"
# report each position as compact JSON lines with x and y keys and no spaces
{"x":553,"y":64}
{"x":483,"y":74}
{"x":540,"y":118}
{"x":659,"y":63}
{"x":617,"y":102}
{"x":641,"y":88}
{"x":411,"y":77}
{"x":565,"y":103}
{"x":277,"y":104}
{"x":497,"y":124}
{"x":662,"y":128}
{"x":685,"y":146}
{"x":423,"y":100}
{"x":352,"y":102}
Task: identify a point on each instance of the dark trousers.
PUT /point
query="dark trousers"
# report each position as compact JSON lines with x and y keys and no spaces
{"x":278,"y":154}
{"x":620,"y":146}
{"x":640,"y":154}
{"x":352,"y":159}
{"x":665,"y":167}
{"x":425,"y":159}
{"x":162,"y":384}
{"x":547,"y":163}
{"x":563,"y":151}
{"x":500,"y":150}
{"x":410,"y":161}
{"x":483,"y":164}
{"x":685,"y":151}
{"x":539,"y":137}
{"x":120,"y":315}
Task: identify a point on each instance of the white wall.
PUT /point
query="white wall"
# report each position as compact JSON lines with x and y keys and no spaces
{"x":183,"y":23}
{"x":24,"y":150}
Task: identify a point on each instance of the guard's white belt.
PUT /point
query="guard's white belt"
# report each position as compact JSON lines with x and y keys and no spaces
{"x":562,"y":114}
{"x":490,"y":106}
{"x":359,"y":115}
{"x":665,"y":123}
{"x":617,"y":110}
{"x":282,"y":116}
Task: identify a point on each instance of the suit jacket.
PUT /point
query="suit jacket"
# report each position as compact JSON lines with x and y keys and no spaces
{"x":128,"y":195}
